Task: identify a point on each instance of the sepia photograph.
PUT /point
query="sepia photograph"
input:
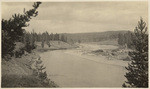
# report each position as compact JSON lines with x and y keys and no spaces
{"x":74,"y":44}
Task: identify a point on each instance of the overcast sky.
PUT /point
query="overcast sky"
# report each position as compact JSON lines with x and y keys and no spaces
{"x":76,"y":17}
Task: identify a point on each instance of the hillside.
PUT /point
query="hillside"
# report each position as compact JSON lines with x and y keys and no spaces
{"x":54,"y":45}
{"x":18,"y":72}
{"x":93,"y":36}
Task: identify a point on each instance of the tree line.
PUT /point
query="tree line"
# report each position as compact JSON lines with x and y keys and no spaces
{"x":13,"y":31}
{"x":30,"y":38}
{"x":92,"y":37}
{"x":45,"y":36}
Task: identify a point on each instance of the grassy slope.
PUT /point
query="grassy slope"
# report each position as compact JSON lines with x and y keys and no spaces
{"x":17,"y":72}
{"x":107,"y":42}
{"x":55,"y":45}
{"x":93,"y":36}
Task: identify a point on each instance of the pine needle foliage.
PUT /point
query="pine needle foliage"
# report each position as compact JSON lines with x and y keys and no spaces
{"x":137,"y":75}
{"x":12,"y":29}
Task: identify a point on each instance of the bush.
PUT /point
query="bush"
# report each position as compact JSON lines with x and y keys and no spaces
{"x":9,"y":81}
{"x":19,"y":53}
{"x":42,"y":75}
{"x":29,"y":47}
{"x":7,"y":45}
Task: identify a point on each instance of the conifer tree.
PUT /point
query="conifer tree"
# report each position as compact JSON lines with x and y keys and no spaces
{"x":42,"y":44}
{"x":137,"y":75}
{"x":62,"y":38}
{"x":121,"y":40}
{"x":13,"y":30}
{"x":28,"y":46}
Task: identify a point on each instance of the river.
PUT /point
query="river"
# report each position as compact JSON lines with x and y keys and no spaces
{"x":69,"y":69}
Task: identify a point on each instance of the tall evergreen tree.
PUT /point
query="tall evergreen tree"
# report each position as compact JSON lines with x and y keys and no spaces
{"x":39,"y":37}
{"x":42,"y":44}
{"x":137,"y":75}
{"x":51,"y":36}
{"x":7,"y":44}
{"x":32,"y":40}
{"x":128,"y":39}
{"x":12,"y":29}
{"x":28,"y":46}
{"x":62,"y":38}
{"x":56,"y":37}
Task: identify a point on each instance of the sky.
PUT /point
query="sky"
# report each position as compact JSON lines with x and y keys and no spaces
{"x":80,"y":17}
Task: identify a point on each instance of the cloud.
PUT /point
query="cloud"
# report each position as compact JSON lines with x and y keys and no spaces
{"x":83,"y":16}
{"x":10,"y":8}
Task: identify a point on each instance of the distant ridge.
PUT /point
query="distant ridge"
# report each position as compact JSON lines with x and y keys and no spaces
{"x":93,"y":36}
{"x":96,"y":32}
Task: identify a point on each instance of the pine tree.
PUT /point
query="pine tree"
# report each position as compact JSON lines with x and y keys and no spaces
{"x":12,"y":29}
{"x":47,"y":37}
{"x":137,"y":75}
{"x":121,"y":40}
{"x":62,"y":38}
{"x":128,"y":39}
{"x":32,"y":40}
{"x":42,"y":44}
{"x":28,"y":46}
{"x":51,"y":36}
{"x":7,"y":44}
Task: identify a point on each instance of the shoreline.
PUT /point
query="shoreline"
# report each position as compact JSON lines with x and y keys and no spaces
{"x":73,"y":65}
{"x":24,"y":67}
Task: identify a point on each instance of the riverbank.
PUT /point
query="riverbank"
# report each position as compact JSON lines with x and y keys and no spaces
{"x":54,"y":45}
{"x":89,"y":65}
{"x":17,"y":72}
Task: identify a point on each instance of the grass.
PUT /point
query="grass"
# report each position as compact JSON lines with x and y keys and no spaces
{"x":107,"y":42}
{"x":27,"y":81}
{"x":17,"y":73}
